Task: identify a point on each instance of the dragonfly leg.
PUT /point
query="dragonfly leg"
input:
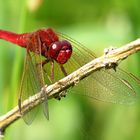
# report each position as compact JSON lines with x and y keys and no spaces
{"x":19,"y":106}
{"x":113,"y":65}
{"x":63,"y":93}
{"x":52,"y":70}
{"x":45,"y":62}
{"x":60,"y":95}
{"x":63,"y":70}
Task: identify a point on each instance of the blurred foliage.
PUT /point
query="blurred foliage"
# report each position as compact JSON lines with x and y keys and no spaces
{"x":97,"y":24}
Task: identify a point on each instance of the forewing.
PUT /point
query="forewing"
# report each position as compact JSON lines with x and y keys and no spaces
{"x":32,"y":79}
{"x":105,"y":84}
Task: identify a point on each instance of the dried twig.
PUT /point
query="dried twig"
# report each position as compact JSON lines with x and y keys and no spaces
{"x":108,"y":59}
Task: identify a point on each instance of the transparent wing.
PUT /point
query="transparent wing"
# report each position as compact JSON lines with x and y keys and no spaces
{"x":32,"y":79}
{"x":105,"y":85}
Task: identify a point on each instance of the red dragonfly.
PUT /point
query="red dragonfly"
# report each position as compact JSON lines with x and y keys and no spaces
{"x":64,"y":55}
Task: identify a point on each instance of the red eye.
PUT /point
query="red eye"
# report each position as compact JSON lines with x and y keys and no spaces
{"x":60,"y":51}
{"x":54,"y":49}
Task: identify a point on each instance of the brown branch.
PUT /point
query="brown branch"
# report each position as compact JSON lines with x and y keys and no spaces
{"x":51,"y":91}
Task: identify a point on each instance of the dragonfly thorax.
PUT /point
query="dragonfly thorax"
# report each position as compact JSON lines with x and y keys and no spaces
{"x":52,"y":47}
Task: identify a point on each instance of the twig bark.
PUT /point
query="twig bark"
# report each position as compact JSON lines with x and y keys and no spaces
{"x":112,"y":57}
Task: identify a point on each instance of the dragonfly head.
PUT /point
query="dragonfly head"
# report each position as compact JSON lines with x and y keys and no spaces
{"x":60,"y":51}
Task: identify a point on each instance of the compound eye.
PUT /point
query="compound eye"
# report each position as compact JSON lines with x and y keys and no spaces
{"x":65,"y":52}
{"x":54,"y":49}
{"x":60,"y":51}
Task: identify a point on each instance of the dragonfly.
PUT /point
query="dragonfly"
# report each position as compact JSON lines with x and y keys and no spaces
{"x":51,"y":55}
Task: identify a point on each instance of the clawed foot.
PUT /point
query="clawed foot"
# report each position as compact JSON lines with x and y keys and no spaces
{"x":61,"y":94}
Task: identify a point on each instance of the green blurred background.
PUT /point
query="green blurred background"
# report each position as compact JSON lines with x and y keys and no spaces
{"x":97,"y":25}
